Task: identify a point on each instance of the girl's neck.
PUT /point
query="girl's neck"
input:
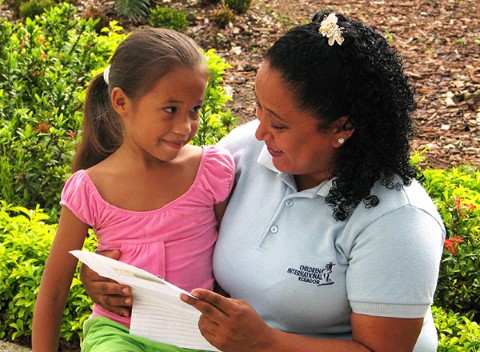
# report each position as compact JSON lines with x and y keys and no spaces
{"x":143,"y":185}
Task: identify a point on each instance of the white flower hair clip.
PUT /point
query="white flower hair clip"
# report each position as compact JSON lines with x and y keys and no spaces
{"x":106,"y":75}
{"x":330,"y":29}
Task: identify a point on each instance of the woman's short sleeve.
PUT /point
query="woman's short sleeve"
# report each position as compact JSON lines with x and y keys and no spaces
{"x":218,"y":172}
{"x":394,"y":265}
{"x":78,"y":195}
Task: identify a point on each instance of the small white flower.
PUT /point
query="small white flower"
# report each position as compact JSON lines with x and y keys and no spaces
{"x":330,"y":29}
{"x":106,"y":75}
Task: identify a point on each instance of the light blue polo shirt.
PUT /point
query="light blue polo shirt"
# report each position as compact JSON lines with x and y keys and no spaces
{"x":304,"y":272}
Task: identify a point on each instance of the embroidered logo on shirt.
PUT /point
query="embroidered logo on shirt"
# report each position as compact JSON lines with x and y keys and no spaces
{"x":312,"y":275}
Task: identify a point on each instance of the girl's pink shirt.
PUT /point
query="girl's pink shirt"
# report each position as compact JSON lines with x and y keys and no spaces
{"x":174,"y":242}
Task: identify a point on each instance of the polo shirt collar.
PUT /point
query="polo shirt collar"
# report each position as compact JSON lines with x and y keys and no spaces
{"x":265,"y":159}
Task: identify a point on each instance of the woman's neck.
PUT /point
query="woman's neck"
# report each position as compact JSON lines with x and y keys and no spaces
{"x":309,"y":181}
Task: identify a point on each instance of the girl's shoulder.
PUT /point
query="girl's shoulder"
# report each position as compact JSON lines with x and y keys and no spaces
{"x":79,"y":180}
{"x":216,"y":171}
{"x":80,"y":195}
{"x":217,"y":160}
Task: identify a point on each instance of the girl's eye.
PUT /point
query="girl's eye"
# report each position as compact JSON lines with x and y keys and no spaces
{"x":195,"y":112}
{"x":170,"y":109}
{"x":196,"y":108}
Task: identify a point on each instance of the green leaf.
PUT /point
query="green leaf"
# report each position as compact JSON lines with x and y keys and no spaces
{"x":133,"y":9}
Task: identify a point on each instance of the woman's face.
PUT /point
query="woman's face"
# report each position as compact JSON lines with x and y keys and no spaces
{"x":292,"y":136}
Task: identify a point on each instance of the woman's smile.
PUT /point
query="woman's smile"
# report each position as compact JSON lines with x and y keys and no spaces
{"x":275,"y":153}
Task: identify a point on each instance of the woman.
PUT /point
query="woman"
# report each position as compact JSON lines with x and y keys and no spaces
{"x":328,"y":241}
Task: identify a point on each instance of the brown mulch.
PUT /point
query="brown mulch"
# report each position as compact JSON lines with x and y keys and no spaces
{"x":439,"y":41}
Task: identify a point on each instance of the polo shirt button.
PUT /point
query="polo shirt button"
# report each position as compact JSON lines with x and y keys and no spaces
{"x":274,"y":229}
{"x":289,"y":202}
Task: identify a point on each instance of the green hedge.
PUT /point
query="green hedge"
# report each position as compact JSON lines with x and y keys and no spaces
{"x":25,"y":240}
{"x":456,"y":332}
{"x":457,"y":196}
{"x":45,"y":66}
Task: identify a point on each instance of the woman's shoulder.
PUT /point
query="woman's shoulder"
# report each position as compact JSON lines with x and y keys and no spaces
{"x":242,"y":144}
{"x":398,"y":200}
{"x":241,"y":137}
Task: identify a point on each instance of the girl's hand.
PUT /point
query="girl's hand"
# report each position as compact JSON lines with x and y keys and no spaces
{"x":229,"y":324}
{"x":107,"y":293}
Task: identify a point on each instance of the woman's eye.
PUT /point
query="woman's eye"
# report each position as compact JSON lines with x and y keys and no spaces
{"x":170,"y":109}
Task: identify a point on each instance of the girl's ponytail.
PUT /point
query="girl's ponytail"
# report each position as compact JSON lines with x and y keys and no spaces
{"x":102,"y":130}
{"x":144,"y":57}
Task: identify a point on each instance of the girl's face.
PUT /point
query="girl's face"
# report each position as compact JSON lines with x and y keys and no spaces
{"x":163,"y":120}
{"x":292,"y":136}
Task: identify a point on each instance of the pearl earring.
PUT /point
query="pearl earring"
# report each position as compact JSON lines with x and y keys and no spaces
{"x":341,"y":140}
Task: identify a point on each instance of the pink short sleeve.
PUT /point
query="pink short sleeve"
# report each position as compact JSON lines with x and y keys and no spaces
{"x":78,"y":195}
{"x":218,"y":172}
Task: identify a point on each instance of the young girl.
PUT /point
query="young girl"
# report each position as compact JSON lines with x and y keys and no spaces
{"x":139,"y":184}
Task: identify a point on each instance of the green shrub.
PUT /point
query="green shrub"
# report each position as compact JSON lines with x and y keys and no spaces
{"x":33,"y":8}
{"x":167,"y":17}
{"x":215,"y":120}
{"x":133,"y":9}
{"x":30,"y":8}
{"x":223,"y":16}
{"x":25,"y":241}
{"x":239,"y":6}
{"x":455,"y":332}
{"x":456,"y":193}
{"x":45,"y":65}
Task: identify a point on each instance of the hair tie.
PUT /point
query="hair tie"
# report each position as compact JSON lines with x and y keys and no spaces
{"x":106,"y":75}
{"x":330,"y":29}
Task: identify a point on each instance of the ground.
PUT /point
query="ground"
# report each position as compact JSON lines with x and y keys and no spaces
{"x":438,"y":40}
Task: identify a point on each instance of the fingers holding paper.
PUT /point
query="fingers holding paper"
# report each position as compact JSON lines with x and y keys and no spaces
{"x":229,"y":324}
{"x":107,"y":293}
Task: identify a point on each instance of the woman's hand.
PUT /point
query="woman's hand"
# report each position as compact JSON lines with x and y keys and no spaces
{"x":233,"y":326}
{"x":107,"y":293}
{"x":229,"y":324}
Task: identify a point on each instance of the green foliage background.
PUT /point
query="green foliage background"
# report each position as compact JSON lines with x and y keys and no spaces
{"x":45,"y":67}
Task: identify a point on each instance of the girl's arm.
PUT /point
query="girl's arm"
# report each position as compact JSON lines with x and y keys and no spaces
{"x":56,"y":281}
{"x":233,"y":325}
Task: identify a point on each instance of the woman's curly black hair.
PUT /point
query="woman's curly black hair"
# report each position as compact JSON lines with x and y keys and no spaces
{"x":363,"y":79}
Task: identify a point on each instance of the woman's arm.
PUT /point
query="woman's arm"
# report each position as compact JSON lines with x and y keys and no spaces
{"x":113,"y":296}
{"x":233,"y":325}
{"x":56,"y":280}
{"x":107,"y":293}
